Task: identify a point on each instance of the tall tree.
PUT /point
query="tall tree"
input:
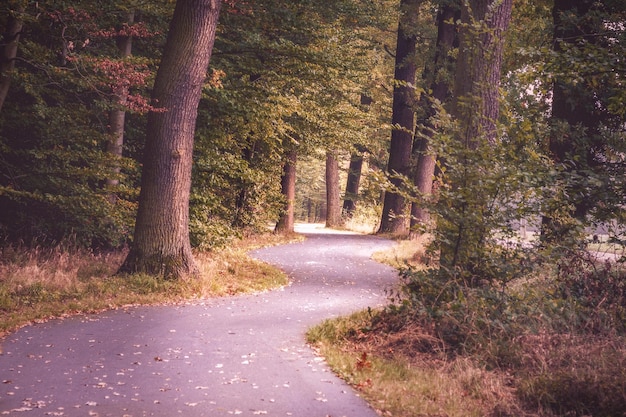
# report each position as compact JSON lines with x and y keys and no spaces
{"x":8,"y":52}
{"x":476,"y":110}
{"x":442,"y":71}
{"x":286,"y":222}
{"x":394,"y":219}
{"x":353,"y":182}
{"x":477,"y":80}
{"x":117,"y":115}
{"x":575,"y":143}
{"x":161,"y":244}
{"x":333,"y":198}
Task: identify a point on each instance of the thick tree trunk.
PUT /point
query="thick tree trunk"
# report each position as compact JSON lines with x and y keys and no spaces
{"x":352,"y":184}
{"x":477,"y":81}
{"x":117,"y":115}
{"x":476,"y":109}
{"x":423,"y":178}
{"x":161,"y":243}
{"x":286,"y":222}
{"x":9,"y":52}
{"x":426,"y":159}
{"x":394,"y":216}
{"x":574,"y":111}
{"x":333,"y":194}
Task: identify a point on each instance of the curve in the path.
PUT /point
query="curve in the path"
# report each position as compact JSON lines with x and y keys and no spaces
{"x":233,"y":356}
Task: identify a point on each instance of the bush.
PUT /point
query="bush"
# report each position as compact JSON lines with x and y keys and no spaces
{"x":596,"y":290}
{"x":559,"y":333}
{"x":466,"y":319}
{"x":574,"y":375}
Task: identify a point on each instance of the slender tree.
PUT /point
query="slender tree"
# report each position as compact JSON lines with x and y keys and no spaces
{"x":286,"y":222}
{"x":161,"y":243}
{"x":355,"y":168}
{"x":442,"y":71}
{"x":394,"y":217}
{"x":117,"y":116}
{"x":8,"y":52}
{"x":353,"y":182}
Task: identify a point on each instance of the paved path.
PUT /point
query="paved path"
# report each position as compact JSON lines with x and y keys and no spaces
{"x":230,"y":356}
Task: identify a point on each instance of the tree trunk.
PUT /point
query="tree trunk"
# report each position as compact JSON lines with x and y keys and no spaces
{"x":333,"y":197}
{"x":241,"y":217}
{"x":117,"y":115}
{"x":286,"y":222}
{"x":309,"y":210}
{"x":477,"y":81}
{"x":423,"y":178}
{"x":9,"y":52}
{"x":394,"y":219}
{"x":575,"y":125}
{"x":426,"y":159}
{"x":352,"y":184}
{"x":476,"y":109}
{"x":161,"y":243}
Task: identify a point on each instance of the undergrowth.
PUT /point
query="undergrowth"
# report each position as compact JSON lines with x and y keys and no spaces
{"x":550,"y":343}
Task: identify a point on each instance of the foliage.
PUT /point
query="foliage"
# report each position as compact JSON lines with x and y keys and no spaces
{"x":284,"y":73}
{"x":287,"y":81}
{"x":54,"y":161}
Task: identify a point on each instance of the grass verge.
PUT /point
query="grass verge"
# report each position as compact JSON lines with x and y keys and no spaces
{"x":37,"y":284}
{"x":552,"y":344}
{"x":408,"y":385}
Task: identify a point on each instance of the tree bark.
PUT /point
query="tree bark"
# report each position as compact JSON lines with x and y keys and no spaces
{"x":9,"y":52}
{"x":476,"y":109}
{"x":161,"y":243}
{"x":286,"y":222}
{"x":352,"y":184}
{"x":117,"y":116}
{"x":426,"y":159}
{"x":394,"y":219}
{"x":333,"y":195}
{"x":477,"y":81}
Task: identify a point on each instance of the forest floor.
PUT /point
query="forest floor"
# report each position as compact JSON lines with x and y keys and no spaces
{"x":240,"y":355}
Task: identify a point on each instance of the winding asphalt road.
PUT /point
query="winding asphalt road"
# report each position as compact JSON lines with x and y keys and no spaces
{"x":242,"y":355}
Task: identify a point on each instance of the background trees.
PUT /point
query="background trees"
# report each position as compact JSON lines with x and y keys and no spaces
{"x":54,"y":125}
{"x":281,"y":77}
{"x":403,"y":118}
{"x":318,"y":80}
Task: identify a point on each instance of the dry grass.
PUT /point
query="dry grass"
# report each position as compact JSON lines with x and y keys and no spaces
{"x":406,"y":371}
{"x":402,"y":375}
{"x":366,"y":220}
{"x":573,"y":374}
{"x":36,"y":284}
{"x":404,"y":367}
{"x":409,"y":252}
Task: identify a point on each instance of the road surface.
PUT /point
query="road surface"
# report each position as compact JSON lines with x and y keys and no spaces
{"x":243,"y":355}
